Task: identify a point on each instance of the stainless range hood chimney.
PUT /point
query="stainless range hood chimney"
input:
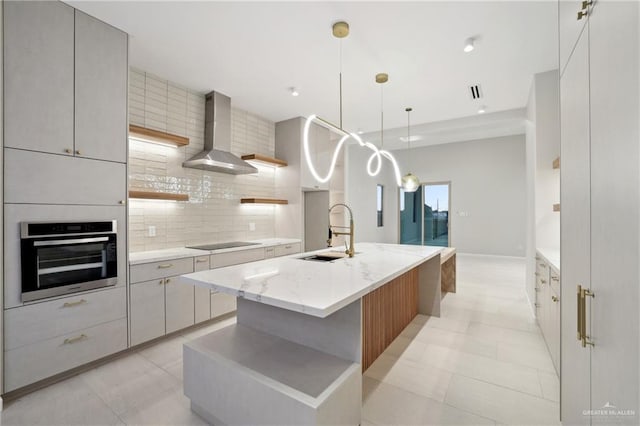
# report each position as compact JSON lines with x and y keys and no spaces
{"x":216,"y":156}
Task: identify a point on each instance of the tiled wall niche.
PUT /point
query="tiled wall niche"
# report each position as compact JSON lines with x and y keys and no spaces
{"x":213,"y":212}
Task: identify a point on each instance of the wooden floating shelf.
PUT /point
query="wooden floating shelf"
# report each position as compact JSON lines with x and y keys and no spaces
{"x":156,"y":136}
{"x":262,"y":201}
{"x":151,"y":195}
{"x":556,"y":207}
{"x":556,"y":163}
{"x":263,"y":159}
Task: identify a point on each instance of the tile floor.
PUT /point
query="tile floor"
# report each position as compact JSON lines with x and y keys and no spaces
{"x":483,"y":361}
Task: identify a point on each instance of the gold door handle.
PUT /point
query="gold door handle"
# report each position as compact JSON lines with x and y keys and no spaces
{"x":160,"y":282}
{"x":582,"y":14}
{"x":72,"y":304}
{"x":72,"y":340}
{"x":167,"y":281}
{"x":78,"y":152}
{"x":165,"y":266}
{"x":586,"y":4}
{"x":121,"y":202}
{"x":554,"y":298}
{"x":582,"y":316}
{"x":67,"y":150}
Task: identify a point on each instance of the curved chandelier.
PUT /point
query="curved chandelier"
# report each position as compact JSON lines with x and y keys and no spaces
{"x":341,"y":30}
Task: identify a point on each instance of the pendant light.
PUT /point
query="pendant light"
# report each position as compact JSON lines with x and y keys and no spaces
{"x":340,"y":30}
{"x":410,"y":182}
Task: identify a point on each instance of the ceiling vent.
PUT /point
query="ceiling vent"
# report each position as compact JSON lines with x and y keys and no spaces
{"x":475,"y":91}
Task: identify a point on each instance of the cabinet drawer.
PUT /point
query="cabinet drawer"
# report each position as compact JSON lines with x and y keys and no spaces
{"x":33,"y":323}
{"x":236,"y":257}
{"x":286,"y":249}
{"x":201,"y":263}
{"x":155,"y":270}
{"x":269,"y":252}
{"x":222,"y":304}
{"x":34,"y":177}
{"x":28,"y":364}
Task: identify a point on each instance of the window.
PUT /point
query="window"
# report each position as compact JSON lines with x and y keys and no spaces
{"x":379,"y":200}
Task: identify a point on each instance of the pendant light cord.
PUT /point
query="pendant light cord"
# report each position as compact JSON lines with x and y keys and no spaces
{"x":409,"y":135}
{"x":381,"y":116}
{"x":341,"y":84}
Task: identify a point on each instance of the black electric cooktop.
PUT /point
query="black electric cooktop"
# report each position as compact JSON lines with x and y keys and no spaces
{"x":220,"y":246}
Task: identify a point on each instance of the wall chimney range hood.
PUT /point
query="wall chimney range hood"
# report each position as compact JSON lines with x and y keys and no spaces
{"x":216,"y":156}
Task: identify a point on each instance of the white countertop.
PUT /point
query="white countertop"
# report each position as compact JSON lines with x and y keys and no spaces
{"x":181,"y":252}
{"x":315,"y":288}
{"x":551,"y":255}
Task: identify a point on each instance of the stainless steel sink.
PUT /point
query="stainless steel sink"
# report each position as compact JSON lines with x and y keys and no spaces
{"x":324,"y":257}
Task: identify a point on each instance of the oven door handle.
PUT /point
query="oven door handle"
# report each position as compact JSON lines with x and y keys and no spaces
{"x":71,"y":241}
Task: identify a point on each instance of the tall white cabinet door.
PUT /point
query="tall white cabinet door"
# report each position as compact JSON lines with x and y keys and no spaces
{"x":575,"y":230}
{"x":179,"y":299}
{"x":38,"y":76}
{"x":101,"y":73}
{"x":614,"y":75}
{"x":147,"y":311}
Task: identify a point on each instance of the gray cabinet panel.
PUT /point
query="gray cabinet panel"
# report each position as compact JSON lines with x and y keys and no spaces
{"x":101,"y":72}
{"x":147,"y":311}
{"x":179,"y":298}
{"x":38,"y":75}
{"x":16,"y":213}
{"x":614,"y":88}
{"x":574,"y":230}
{"x":35,"y":177}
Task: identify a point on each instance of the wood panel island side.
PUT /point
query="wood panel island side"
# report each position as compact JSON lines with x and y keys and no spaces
{"x":305,"y":332}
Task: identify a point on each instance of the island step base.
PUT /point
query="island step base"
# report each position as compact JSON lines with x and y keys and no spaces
{"x":239,"y":375}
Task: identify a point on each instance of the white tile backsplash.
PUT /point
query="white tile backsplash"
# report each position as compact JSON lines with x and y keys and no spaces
{"x":213,"y":212}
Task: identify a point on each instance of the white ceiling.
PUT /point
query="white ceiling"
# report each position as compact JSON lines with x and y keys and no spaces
{"x":255,"y":51}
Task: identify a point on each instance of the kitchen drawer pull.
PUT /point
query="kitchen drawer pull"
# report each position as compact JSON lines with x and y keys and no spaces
{"x":287,"y":247}
{"x":72,"y":304}
{"x":67,"y":150}
{"x":72,"y":340}
{"x":555,"y":299}
{"x":167,"y":281}
{"x":165,"y":266}
{"x":78,"y":152}
{"x":201,"y":260}
{"x":160,"y":282}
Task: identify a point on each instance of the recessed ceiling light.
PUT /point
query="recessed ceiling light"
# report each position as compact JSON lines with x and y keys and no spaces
{"x":482,"y":109}
{"x":294,"y":91}
{"x":468,"y":45}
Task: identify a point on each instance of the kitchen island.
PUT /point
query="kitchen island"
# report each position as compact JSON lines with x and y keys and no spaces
{"x":305,"y":332}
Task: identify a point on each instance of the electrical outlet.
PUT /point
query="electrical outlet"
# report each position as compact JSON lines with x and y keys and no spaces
{"x":252,"y":226}
{"x":152,"y":231}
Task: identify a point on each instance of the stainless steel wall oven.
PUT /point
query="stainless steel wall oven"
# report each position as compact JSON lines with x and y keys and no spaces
{"x":67,"y":257}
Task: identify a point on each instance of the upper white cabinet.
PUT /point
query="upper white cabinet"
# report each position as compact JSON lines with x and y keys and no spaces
{"x":100,"y":90}
{"x":38,"y":76}
{"x":36,"y":177}
{"x":65,"y":82}
{"x":289,"y":147}
{"x":572,"y":22}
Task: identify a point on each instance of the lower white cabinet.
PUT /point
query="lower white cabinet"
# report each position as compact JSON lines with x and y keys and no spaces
{"x":548,"y":307}
{"x":179,"y":304}
{"x":222,"y":304}
{"x":147,"y":311}
{"x":202,"y":299}
{"x":37,"y":361}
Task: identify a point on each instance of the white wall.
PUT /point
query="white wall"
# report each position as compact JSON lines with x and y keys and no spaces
{"x":360,"y":195}
{"x":488,"y":189}
{"x":214,"y":212}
